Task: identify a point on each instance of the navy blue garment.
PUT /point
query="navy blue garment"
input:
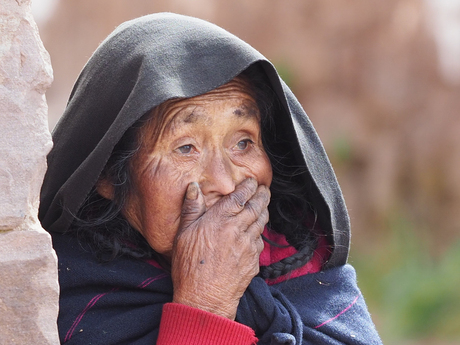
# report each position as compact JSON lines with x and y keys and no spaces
{"x":121,"y":302}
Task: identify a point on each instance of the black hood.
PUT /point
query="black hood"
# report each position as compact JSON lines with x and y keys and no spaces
{"x":143,"y":63}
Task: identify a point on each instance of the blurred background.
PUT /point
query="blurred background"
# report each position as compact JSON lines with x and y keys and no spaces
{"x":381,"y":82}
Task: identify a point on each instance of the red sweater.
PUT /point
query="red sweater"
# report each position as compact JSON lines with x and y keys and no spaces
{"x":181,"y":324}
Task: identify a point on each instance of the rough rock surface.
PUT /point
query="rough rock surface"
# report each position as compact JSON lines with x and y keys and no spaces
{"x":29,"y":288}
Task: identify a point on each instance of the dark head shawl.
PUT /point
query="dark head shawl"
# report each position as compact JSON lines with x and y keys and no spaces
{"x":143,"y":63}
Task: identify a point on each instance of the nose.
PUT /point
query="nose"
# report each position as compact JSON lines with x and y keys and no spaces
{"x":219,"y":177}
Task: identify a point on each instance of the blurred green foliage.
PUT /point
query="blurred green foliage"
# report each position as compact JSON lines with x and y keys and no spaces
{"x":411,"y":294}
{"x":341,"y":153}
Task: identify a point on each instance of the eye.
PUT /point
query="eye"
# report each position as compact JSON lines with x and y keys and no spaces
{"x":185,"y":149}
{"x":243,"y":144}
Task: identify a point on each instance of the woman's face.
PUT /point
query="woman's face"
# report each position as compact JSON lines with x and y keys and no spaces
{"x":214,"y":140}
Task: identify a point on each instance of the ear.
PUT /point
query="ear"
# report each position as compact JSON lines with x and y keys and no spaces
{"x":105,"y":189}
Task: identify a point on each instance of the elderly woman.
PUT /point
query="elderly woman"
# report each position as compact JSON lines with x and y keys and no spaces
{"x":191,"y":202}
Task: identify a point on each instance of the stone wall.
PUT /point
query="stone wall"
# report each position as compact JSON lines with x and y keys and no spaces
{"x":29,"y":288}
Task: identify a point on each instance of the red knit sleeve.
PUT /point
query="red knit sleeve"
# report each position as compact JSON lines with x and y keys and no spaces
{"x":184,"y":325}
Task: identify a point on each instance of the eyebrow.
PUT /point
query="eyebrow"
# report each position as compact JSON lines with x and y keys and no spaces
{"x":246,"y":110}
{"x":192,"y":117}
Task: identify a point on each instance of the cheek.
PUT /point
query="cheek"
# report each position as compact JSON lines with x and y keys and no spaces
{"x":160,"y":191}
{"x":258,"y":165}
{"x":263,"y":171}
{"x":163,"y":189}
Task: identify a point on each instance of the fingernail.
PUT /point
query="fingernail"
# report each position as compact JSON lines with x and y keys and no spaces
{"x":192,"y":191}
{"x":250,"y":180}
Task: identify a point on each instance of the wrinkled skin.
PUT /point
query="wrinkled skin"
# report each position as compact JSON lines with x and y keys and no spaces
{"x":200,"y":196}
{"x":216,"y":252}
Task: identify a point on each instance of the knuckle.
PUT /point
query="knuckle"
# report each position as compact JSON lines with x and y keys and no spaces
{"x":250,"y":183}
{"x":252,"y":208}
{"x":260,"y":245}
{"x":234,"y":199}
{"x":219,"y":211}
{"x":265,"y":195}
{"x":189,"y":209}
{"x":265,"y":216}
{"x":247,"y":188}
{"x":263,"y":219}
{"x":238,"y":199}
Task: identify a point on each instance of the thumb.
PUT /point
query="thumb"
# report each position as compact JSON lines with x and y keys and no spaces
{"x":193,"y":206}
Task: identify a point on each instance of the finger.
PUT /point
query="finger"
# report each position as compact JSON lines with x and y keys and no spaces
{"x":257,"y":228}
{"x":254,"y":207}
{"x":193,"y":206}
{"x":235,"y":202}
